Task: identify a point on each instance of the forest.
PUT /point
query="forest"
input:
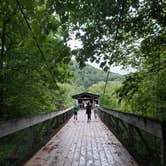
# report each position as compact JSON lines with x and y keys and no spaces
{"x":37,"y":73}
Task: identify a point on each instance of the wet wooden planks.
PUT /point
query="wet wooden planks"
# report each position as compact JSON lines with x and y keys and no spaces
{"x":82,"y":143}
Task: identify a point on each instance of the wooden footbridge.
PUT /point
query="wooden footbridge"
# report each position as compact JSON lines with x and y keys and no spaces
{"x":83,"y":143}
{"x":56,"y":139}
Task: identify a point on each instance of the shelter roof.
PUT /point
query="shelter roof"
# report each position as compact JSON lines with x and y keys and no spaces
{"x":85,"y":95}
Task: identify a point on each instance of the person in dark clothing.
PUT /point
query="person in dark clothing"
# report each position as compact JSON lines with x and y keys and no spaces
{"x":88,"y":111}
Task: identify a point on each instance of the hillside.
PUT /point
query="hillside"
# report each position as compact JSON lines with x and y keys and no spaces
{"x":90,"y":75}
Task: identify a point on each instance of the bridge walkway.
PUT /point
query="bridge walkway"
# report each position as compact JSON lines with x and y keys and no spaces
{"x":82,"y":143}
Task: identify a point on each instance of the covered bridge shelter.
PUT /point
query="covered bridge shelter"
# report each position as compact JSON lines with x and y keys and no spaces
{"x":85,"y":97}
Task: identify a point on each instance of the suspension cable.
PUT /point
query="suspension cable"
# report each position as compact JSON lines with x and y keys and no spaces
{"x":115,"y":39}
{"x":35,"y":41}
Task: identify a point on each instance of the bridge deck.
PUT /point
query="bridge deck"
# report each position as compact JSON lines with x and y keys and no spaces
{"x":80,"y":143}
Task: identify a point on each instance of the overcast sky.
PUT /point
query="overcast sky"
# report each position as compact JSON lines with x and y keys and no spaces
{"x":117,"y":69}
{"x":73,"y":44}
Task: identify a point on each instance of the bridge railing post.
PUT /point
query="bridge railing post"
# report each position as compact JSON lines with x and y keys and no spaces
{"x":130,"y":135}
{"x":30,"y":129}
{"x":163,"y":145}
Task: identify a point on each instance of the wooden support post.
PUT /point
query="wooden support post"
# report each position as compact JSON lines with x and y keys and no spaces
{"x":57,"y":121}
{"x":163,"y":145}
{"x":31,"y":141}
{"x":64,"y":117}
{"x":143,"y":139}
{"x":110,"y":123}
{"x":123,"y":124}
{"x":61,"y":118}
{"x":49,"y":127}
{"x":52,"y":123}
{"x":101,"y":115}
{"x":108,"y":118}
{"x":120,"y":126}
{"x":130,"y":135}
{"x":113,"y":123}
{"x":105,"y":117}
{"x":117,"y":126}
{"x":68,"y":115}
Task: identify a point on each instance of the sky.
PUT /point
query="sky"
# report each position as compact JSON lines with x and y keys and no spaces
{"x":115,"y":69}
{"x":73,"y":44}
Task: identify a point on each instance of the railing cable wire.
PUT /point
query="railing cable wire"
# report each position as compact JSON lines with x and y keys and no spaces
{"x":115,"y":40}
{"x":35,"y":41}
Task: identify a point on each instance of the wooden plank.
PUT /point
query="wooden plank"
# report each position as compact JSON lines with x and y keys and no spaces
{"x":12,"y":126}
{"x":151,"y":126}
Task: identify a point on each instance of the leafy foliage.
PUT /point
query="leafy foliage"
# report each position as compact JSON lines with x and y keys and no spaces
{"x":111,"y":31}
{"x":34,"y":58}
{"x":127,"y":32}
{"x":142,"y":93}
{"x":109,"y":100}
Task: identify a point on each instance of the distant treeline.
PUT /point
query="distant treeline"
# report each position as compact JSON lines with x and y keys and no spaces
{"x":89,"y":75}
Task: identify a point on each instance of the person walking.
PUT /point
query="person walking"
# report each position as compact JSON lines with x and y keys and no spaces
{"x":75,"y":111}
{"x":88,"y":111}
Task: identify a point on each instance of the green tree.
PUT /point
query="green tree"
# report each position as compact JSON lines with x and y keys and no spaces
{"x":123,"y":32}
{"x":34,"y":58}
{"x":88,"y":75}
{"x":126,"y":32}
{"x":110,"y":99}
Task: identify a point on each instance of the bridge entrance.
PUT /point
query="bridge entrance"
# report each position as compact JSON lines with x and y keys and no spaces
{"x":85,"y":97}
